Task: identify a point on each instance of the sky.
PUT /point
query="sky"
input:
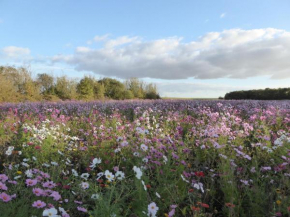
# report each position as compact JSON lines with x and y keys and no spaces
{"x":188,"y":48}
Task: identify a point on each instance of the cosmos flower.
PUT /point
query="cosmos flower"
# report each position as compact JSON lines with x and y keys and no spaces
{"x":109,"y":176}
{"x":95,"y":162}
{"x":52,"y":212}
{"x":39,"y":204}
{"x":138,"y":172}
{"x":152,"y":209}
{"x":85,"y":185}
{"x":5,"y":197}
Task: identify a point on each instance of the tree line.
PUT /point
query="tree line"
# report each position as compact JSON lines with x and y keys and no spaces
{"x":262,"y":94}
{"x":18,"y":85}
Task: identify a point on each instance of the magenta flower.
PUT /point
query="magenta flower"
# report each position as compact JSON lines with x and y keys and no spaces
{"x":3,"y":186}
{"x":5,"y":197}
{"x":37,"y":191}
{"x":82,"y":209}
{"x":49,"y":184}
{"x":56,"y":196}
{"x":3,"y":177}
{"x":31,"y":182}
{"x":39,"y":204}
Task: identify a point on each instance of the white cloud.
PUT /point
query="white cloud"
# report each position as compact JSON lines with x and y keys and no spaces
{"x":120,"y":41}
{"x":101,"y":37}
{"x":193,"y":89}
{"x":222,"y":15}
{"x":13,"y":52}
{"x":233,"y":53}
{"x":98,"y":38}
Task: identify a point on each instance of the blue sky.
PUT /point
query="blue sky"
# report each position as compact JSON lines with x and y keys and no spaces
{"x":188,"y":48}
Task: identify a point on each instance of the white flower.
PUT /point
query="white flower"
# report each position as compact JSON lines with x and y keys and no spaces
{"x":17,"y":177}
{"x":63,"y":212}
{"x":136,"y":154}
{"x":99,"y":175}
{"x":95,"y":196}
{"x":120,"y":175}
{"x":199,"y":186}
{"x":144,"y":147}
{"x":52,"y":212}
{"x":158,"y":195}
{"x":45,"y":165}
{"x":109,"y":175}
{"x":29,"y":173}
{"x":95,"y":162}
{"x":152,"y":209}
{"x":165,"y":159}
{"x":25,"y":164}
{"x":143,"y":183}
{"x":145,"y":160}
{"x":54,"y":163}
{"x":85,"y":185}
{"x":138,"y":172}
{"x":74,"y":172}
{"x":85,"y":176}
{"x":9,"y":150}
{"x":184,"y":179}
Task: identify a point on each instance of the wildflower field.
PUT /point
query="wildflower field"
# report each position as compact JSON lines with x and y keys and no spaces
{"x":145,"y":158}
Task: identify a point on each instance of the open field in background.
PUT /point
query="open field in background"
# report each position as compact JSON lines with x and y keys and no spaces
{"x":176,"y":98}
{"x":145,"y":158}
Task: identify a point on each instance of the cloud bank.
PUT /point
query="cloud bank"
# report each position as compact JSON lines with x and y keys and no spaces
{"x":13,"y":53}
{"x":233,"y":53}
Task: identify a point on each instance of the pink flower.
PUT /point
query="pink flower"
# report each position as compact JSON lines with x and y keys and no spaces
{"x":45,"y":175}
{"x":56,"y":196}
{"x":3,"y":177}
{"x":49,"y":184}
{"x":12,"y":182}
{"x":82,"y":209}
{"x":39,"y":204}
{"x":5,"y":197}
{"x":3,"y":186}
{"x":31,"y":182}
{"x":37,"y":191}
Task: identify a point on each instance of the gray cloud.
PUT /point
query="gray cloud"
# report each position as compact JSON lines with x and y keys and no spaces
{"x":233,"y":53}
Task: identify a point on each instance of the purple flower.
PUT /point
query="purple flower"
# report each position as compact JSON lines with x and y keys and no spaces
{"x":5,"y":197}
{"x":82,"y":209}
{"x":3,"y":186}
{"x":39,"y":204}
{"x":31,"y":182}
{"x":38,"y":191}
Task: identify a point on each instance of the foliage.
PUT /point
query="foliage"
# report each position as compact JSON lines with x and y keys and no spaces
{"x":17,"y":85}
{"x":145,"y":158}
{"x":266,"y":94}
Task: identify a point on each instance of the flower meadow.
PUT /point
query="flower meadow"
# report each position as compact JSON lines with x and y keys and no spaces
{"x":145,"y":158}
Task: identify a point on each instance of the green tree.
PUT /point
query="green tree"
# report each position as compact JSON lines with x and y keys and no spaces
{"x":114,"y":89}
{"x":151,"y":92}
{"x":85,"y":88}
{"x":66,"y":88}
{"x":136,"y":87}
{"x":46,"y":83}
{"x":99,"y":90}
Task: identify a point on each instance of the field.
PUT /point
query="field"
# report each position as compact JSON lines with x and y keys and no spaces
{"x":145,"y":158}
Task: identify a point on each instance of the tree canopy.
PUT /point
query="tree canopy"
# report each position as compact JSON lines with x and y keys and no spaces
{"x":18,"y":85}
